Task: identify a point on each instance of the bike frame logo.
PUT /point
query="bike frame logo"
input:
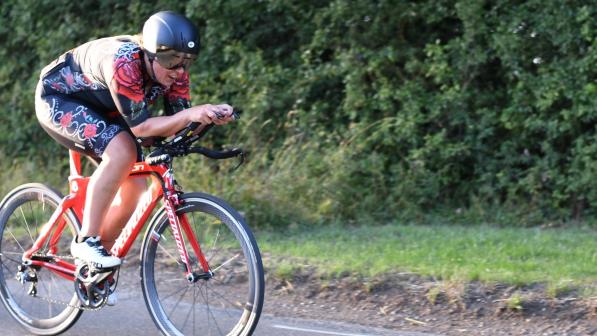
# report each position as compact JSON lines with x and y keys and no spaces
{"x":176,"y":232}
{"x":145,"y":203}
{"x":138,"y":168}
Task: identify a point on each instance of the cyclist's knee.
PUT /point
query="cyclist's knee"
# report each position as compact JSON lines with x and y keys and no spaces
{"x":121,"y":149}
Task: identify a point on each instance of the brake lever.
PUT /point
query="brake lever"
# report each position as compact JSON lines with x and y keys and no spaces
{"x":241,"y":160}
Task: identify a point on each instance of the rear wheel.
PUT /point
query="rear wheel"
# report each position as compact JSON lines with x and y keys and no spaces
{"x":227,"y":303}
{"x":38,"y":301}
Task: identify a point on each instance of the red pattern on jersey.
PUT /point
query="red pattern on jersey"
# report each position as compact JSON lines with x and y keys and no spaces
{"x":128,"y":78}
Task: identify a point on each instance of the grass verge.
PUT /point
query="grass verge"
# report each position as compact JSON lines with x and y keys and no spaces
{"x":557,"y":257}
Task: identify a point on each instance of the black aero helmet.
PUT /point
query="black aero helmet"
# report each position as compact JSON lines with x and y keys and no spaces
{"x":171,"y":39}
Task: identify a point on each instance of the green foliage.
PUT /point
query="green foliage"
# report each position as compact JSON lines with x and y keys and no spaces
{"x":381,"y":109}
{"x":563,"y":259}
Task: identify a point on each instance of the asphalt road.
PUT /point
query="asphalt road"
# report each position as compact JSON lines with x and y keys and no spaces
{"x":130,"y":317}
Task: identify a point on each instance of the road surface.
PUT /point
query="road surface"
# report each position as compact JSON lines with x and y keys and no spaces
{"x":130,"y":317}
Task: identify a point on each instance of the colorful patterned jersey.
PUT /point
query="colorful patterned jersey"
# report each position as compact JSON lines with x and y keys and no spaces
{"x":109,"y":74}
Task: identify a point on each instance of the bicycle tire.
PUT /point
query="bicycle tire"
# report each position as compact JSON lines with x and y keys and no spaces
{"x":230,"y":303}
{"x":22,"y":213}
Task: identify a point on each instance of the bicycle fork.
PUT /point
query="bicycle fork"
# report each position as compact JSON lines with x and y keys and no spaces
{"x":181,"y":222}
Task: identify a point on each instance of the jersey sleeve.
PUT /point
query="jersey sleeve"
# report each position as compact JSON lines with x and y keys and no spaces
{"x":178,"y":97}
{"x":127,"y":87}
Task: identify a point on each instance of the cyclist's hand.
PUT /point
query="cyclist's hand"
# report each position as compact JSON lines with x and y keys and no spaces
{"x":199,"y":113}
{"x":208,"y":113}
{"x":222,"y":114}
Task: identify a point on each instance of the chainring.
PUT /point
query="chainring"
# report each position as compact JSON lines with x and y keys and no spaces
{"x":93,"y":285}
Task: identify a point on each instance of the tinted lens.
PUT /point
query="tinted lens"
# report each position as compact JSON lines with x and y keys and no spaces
{"x":172,"y":60}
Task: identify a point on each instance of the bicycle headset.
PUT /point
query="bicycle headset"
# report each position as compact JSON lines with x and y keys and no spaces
{"x":170,"y":39}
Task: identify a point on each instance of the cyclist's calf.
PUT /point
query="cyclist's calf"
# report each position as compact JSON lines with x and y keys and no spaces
{"x":121,"y":209}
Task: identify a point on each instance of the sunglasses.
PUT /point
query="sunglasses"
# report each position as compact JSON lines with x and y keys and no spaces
{"x":173,"y":60}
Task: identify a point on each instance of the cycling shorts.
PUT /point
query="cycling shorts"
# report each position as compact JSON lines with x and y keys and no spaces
{"x":77,"y":125}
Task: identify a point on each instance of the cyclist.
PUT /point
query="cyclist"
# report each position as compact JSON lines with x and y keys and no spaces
{"x":94,"y":99}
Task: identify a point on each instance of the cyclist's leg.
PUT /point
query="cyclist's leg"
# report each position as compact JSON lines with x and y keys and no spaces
{"x":121,"y":209}
{"x":117,"y":160}
{"x":77,"y":126}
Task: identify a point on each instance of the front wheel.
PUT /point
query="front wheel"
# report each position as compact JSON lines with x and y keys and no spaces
{"x":227,"y":303}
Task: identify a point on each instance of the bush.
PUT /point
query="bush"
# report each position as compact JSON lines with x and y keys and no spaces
{"x":364,"y":109}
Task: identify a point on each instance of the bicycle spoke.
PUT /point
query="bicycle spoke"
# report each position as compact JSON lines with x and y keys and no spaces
{"x":13,"y":237}
{"x":4,"y":254}
{"x":186,"y":320}
{"x":35,"y":217}
{"x":49,"y":303}
{"x":213,"y":246}
{"x":173,"y":293}
{"x":168,"y":253}
{"x":194,"y":311}
{"x":21,"y":293}
{"x":220,"y":295}
{"x":226,"y":262}
{"x":174,"y":280}
{"x":27,"y":224}
{"x":44,"y":285}
{"x":178,"y":302}
{"x":7,"y":269}
{"x":63,"y":289}
{"x":210,"y":313}
{"x":43,"y":208}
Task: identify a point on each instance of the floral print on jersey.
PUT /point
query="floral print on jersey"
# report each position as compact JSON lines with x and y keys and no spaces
{"x":129,"y":84}
{"x":66,"y":81}
{"x":81,"y":125}
{"x":116,"y":82}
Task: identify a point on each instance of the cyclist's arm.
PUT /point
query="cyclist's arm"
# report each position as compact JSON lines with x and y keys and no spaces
{"x":128,"y":94}
{"x":168,"y":125}
{"x":127,"y":89}
{"x":163,"y":126}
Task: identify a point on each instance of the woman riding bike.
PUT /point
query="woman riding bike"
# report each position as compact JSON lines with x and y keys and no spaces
{"x":95,"y":99}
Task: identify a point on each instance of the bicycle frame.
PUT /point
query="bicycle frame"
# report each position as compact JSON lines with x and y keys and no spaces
{"x":162,"y":187}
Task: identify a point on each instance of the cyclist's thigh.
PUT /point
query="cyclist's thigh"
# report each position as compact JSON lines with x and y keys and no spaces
{"x":76,"y":125}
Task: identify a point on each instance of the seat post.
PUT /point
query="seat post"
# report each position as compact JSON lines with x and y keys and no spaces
{"x":75,"y":163}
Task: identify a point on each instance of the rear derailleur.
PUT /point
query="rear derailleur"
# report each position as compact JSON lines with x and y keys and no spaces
{"x":28,"y":274}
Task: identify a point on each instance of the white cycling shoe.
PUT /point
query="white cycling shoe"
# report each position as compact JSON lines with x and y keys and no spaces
{"x":93,"y":253}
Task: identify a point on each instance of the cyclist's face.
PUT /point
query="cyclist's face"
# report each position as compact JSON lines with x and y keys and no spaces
{"x":167,"y":77}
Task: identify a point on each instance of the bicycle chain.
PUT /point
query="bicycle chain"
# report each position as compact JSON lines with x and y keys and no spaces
{"x":69,"y":305}
{"x":66,"y":303}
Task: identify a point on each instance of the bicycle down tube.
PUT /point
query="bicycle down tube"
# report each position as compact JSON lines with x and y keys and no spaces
{"x":161,"y":181}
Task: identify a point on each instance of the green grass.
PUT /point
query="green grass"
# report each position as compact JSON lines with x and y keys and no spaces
{"x":489,"y":254}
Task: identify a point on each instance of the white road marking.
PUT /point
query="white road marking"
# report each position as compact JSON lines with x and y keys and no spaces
{"x":280,"y":326}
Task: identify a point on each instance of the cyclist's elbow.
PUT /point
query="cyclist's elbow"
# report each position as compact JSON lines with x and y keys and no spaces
{"x":140,"y":130}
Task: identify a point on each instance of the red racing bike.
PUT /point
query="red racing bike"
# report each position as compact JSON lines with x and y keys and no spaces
{"x":200,"y":267}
